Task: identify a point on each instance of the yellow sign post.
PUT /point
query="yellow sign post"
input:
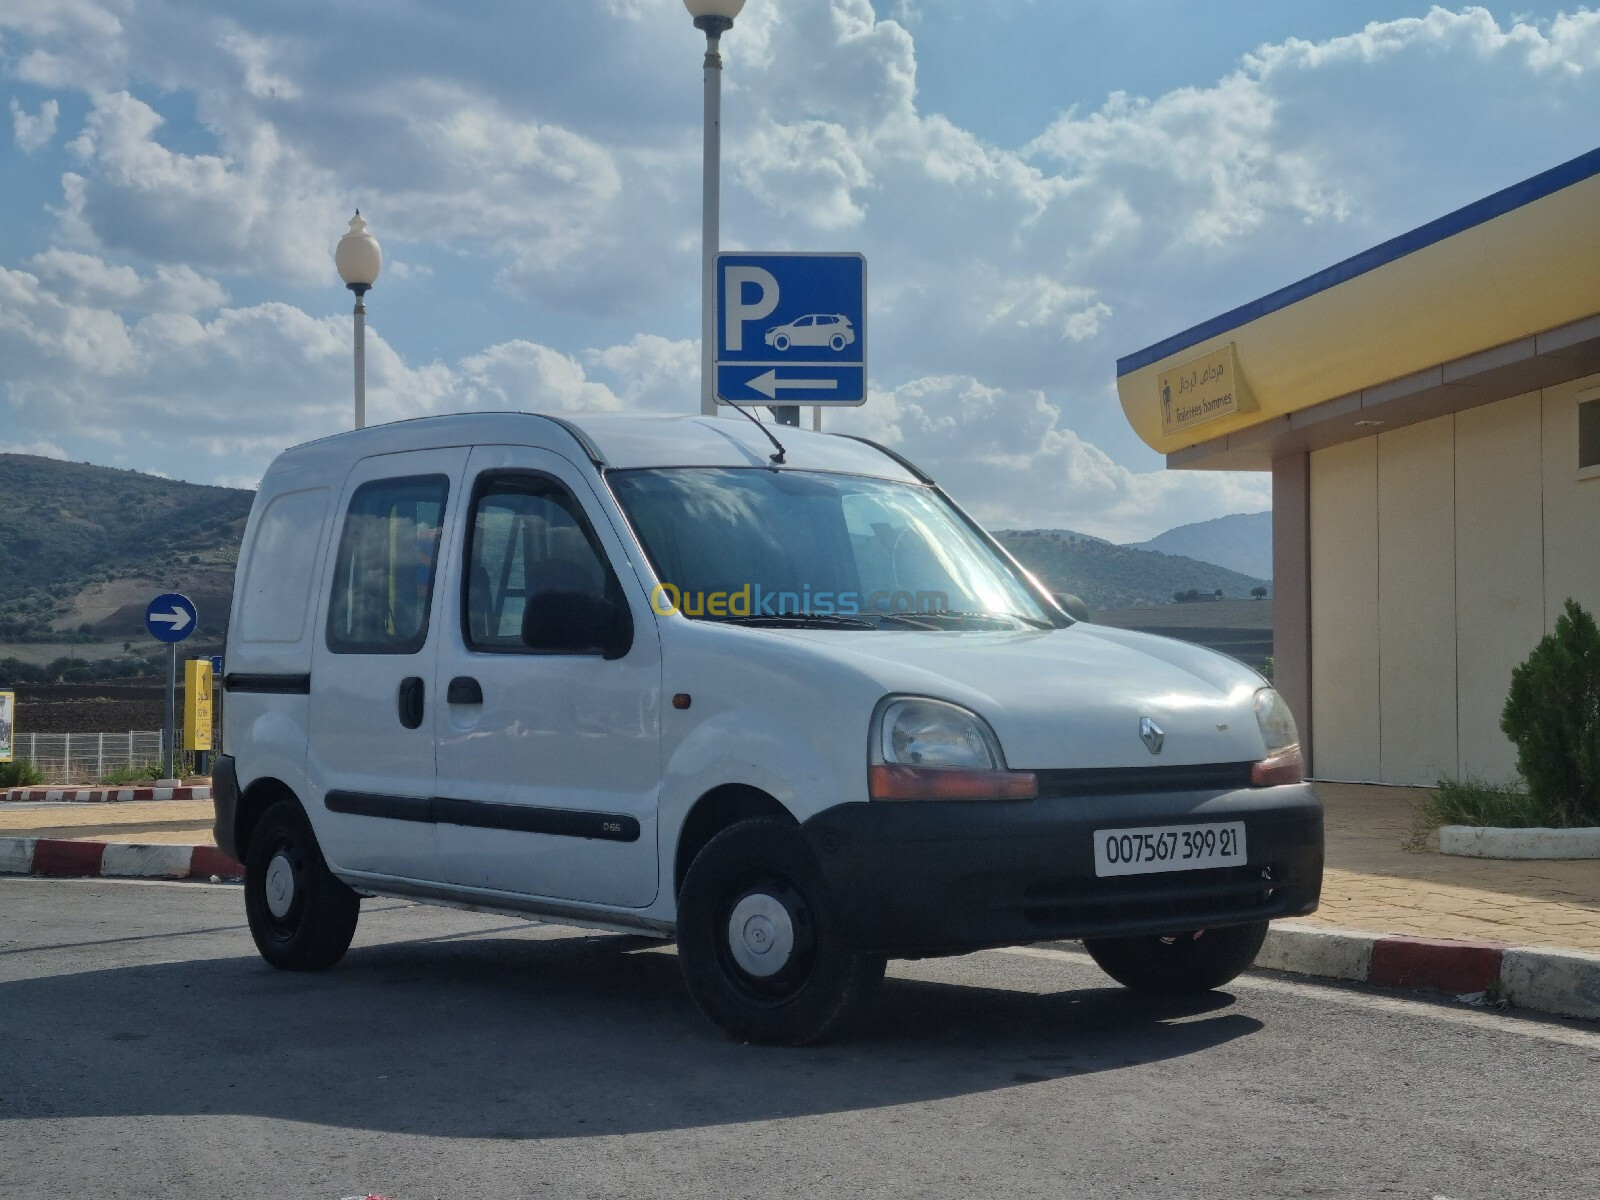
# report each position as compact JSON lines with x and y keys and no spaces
{"x":8,"y":724}
{"x":197,"y":704}
{"x":1203,"y":389}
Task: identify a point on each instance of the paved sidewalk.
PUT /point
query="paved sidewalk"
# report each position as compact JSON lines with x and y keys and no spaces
{"x":170,"y":822}
{"x":1371,"y":883}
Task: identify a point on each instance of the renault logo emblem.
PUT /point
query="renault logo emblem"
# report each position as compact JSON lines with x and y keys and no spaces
{"x":1150,"y":733}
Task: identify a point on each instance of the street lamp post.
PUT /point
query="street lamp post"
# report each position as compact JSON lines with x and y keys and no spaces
{"x":714,"y":17}
{"x":359,"y":259}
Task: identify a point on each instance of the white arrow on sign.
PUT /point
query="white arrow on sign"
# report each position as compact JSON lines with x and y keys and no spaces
{"x":769,"y":383}
{"x":177,"y":618}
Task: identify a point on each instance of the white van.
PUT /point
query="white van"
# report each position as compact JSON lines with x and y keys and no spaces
{"x":787,"y":705}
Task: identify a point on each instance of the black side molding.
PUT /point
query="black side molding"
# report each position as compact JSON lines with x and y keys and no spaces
{"x":480,"y":814}
{"x":393,"y":808}
{"x":277,"y":685}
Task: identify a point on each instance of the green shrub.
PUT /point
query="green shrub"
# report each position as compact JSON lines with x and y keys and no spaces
{"x":19,"y":773}
{"x":133,"y":773}
{"x":1475,"y":802}
{"x":1552,"y":716}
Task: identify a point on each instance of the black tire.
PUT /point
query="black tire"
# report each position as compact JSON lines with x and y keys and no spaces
{"x":764,"y":868}
{"x":314,"y":930}
{"x":1180,"y":962}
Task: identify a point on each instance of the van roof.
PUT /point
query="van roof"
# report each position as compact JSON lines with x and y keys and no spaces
{"x":619,"y":440}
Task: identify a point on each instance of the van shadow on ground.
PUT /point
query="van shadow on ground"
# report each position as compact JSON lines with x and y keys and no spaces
{"x":518,"y":1038}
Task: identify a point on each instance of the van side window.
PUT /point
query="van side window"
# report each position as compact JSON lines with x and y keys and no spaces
{"x":383,"y":579}
{"x":528,"y":535}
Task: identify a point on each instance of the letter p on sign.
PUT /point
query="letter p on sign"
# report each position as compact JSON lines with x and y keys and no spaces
{"x":738,"y":311}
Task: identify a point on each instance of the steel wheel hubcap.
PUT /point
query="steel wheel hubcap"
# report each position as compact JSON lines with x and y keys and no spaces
{"x":761,"y":935}
{"x":280,"y":886}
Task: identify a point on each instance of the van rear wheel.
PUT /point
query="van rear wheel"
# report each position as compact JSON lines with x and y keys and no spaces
{"x":762,"y":948}
{"x":1194,"y":961}
{"x":301,"y":916}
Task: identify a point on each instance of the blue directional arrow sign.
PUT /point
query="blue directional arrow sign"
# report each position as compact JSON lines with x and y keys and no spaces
{"x":171,"y":617}
{"x":791,"y":329}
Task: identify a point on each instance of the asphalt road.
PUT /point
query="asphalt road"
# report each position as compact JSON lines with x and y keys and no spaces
{"x":146,"y":1051}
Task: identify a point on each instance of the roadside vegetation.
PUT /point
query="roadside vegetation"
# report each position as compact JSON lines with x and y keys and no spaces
{"x":19,"y":773}
{"x":133,"y":773}
{"x":1552,"y":716}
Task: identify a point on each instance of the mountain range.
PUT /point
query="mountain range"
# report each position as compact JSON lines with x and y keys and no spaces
{"x":1241,"y":542}
{"x":83,"y":548}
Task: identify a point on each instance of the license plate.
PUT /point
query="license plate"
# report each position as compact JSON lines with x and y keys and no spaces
{"x":1168,"y":848}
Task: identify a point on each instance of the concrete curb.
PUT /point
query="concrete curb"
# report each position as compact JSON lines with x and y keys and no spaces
{"x":1562,"y":982}
{"x":1477,"y":841}
{"x":103,"y":795}
{"x":67,"y":857}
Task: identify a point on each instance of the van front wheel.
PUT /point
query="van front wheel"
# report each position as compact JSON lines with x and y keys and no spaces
{"x":762,"y":948}
{"x":1195,"y":961}
{"x":301,"y":916}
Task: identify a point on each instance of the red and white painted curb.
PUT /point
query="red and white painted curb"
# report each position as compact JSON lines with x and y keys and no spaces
{"x":104,"y":795}
{"x":1564,"y":982}
{"x":68,"y":857}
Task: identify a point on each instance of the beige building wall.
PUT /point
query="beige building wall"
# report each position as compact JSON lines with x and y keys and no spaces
{"x":1499,"y":570}
{"x":1440,"y":554}
{"x":1344,"y":610}
{"x":1571,"y":505}
{"x":1417,"y":602}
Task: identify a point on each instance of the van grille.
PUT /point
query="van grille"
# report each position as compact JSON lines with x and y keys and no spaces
{"x":1121,"y":781}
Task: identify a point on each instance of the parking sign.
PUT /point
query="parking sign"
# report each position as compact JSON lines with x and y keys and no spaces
{"x":791,"y":329}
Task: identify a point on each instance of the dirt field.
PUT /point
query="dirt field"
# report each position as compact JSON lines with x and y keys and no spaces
{"x":91,"y":708}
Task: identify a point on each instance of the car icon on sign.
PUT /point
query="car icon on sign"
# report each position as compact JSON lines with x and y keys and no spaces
{"x":816,"y":329}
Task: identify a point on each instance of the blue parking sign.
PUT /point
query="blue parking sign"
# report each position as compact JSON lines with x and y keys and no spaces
{"x":791,"y":329}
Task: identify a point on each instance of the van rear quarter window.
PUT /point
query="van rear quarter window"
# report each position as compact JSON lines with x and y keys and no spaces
{"x":275,"y":596}
{"x":388,"y":555}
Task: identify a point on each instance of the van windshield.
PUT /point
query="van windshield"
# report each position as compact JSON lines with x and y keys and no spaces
{"x":764,"y":547}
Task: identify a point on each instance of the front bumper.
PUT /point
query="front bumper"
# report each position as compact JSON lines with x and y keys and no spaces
{"x":939,"y":877}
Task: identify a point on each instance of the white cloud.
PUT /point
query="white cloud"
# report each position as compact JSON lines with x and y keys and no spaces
{"x":40,"y":449}
{"x":227,"y":143}
{"x":259,"y":207}
{"x":34,"y":130}
{"x":86,"y":280}
{"x":1007,"y":458}
{"x":256,"y":57}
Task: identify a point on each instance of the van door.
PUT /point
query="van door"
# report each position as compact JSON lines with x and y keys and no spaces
{"x":548,"y":763}
{"x":371,"y":763}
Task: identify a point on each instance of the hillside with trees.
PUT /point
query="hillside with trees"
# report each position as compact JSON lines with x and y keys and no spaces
{"x":83,"y":547}
{"x":1110,"y":576}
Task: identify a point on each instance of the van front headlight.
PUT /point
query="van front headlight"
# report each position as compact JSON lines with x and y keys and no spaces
{"x":1283,"y":763}
{"x":925,"y":749}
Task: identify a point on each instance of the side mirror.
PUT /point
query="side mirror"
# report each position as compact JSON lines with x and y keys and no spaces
{"x":557,"y":622}
{"x":1071,"y":605}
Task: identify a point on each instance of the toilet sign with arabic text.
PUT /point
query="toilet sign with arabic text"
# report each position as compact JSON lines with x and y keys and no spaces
{"x":1203,"y":389}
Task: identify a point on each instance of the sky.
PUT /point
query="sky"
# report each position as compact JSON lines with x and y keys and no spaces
{"x":1039,"y":187}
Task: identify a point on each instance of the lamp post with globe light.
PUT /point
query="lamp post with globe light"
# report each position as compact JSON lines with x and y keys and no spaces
{"x":359,"y":259}
{"x":714,"y":17}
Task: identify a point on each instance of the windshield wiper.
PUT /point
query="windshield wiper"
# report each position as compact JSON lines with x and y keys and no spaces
{"x":931,"y":620}
{"x":806,"y":620}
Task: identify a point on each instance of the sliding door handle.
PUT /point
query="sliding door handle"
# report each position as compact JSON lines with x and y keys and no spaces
{"x":464,"y":689}
{"x":409,"y":701}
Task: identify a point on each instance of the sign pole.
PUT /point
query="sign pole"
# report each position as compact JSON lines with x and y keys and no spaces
{"x":710,"y":222}
{"x":169,"y":619}
{"x":172,"y":705}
